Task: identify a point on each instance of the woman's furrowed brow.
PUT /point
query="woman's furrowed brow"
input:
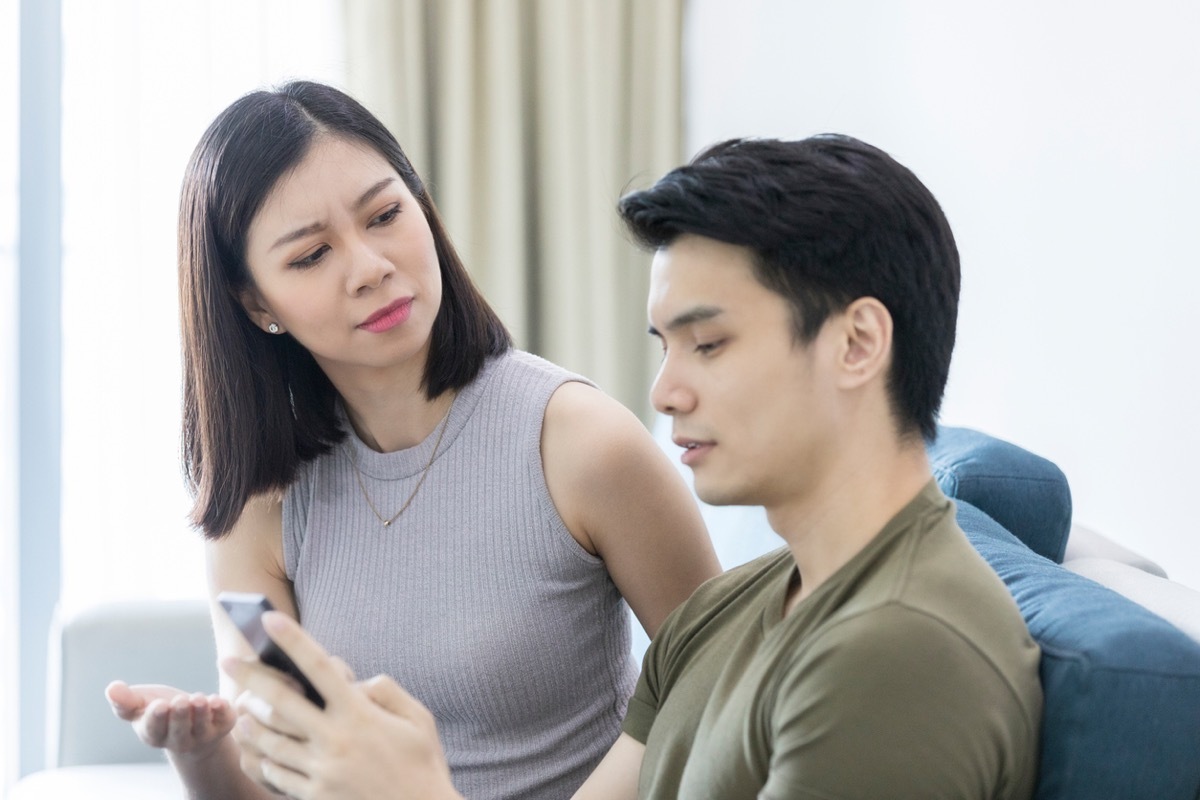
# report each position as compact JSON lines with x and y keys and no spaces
{"x":366,"y":197}
{"x":299,"y":233}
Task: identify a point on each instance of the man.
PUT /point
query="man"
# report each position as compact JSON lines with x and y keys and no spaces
{"x":805,"y":294}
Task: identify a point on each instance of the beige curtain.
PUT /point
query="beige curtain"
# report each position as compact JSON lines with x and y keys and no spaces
{"x":529,"y":119}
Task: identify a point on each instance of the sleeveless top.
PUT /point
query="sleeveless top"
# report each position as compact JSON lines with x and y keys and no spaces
{"x":477,"y":599}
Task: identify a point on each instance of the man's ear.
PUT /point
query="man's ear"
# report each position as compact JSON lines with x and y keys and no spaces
{"x":255,"y":309}
{"x":867,"y":350}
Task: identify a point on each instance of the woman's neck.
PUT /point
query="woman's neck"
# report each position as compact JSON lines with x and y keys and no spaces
{"x":387,"y":424}
{"x":389,"y":409}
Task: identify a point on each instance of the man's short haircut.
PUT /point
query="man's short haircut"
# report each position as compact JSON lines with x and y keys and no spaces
{"x":829,"y":219}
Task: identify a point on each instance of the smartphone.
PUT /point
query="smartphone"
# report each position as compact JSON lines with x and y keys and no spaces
{"x":246,"y":610}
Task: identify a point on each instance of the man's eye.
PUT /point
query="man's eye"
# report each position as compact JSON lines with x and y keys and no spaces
{"x":707,"y":348}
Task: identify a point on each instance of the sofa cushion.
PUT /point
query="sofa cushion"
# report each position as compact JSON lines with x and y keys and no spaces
{"x":1027,"y":494}
{"x":102,"y":782}
{"x":1122,"y":686}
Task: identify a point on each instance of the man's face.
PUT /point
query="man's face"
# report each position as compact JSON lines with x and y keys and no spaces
{"x":755,"y":410}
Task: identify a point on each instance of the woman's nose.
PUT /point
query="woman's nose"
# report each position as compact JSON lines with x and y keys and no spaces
{"x":369,"y":268}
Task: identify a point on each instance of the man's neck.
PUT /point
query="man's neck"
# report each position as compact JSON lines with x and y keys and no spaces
{"x":848,"y":506}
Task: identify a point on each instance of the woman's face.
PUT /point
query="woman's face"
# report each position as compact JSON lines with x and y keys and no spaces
{"x":343,"y":260}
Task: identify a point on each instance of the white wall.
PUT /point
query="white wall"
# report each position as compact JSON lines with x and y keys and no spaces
{"x":1062,"y":140}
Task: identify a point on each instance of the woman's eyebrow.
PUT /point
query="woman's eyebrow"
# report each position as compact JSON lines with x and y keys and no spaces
{"x":369,"y":194}
{"x":299,"y":233}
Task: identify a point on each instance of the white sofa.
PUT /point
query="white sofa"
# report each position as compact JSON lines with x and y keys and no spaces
{"x":92,"y":754}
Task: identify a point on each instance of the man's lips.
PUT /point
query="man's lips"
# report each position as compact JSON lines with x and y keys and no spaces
{"x":693,"y":449}
{"x":388,"y":317}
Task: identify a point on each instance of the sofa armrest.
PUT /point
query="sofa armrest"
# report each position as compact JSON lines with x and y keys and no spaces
{"x":1085,"y":543}
{"x":1175,"y":603}
{"x":137,"y":642}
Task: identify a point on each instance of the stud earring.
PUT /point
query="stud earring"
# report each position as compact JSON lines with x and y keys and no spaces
{"x":273,"y":328}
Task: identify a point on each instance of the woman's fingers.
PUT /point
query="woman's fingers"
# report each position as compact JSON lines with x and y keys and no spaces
{"x":155,"y":722}
{"x":250,"y":760}
{"x":390,"y":695}
{"x":202,"y":716}
{"x":342,"y":667}
{"x":286,"y":781}
{"x":325,"y":673}
{"x":125,"y":703}
{"x":163,"y":716}
{"x":211,"y":717}
{"x":129,"y":701}
{"x":272,"y":712}
{"x":272,"y":759}
{"x":271,"y":697}
{"x":270,"y":744}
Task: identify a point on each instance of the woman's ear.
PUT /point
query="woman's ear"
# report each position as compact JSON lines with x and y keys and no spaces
{"x":256,"y":310}
{"x":868,"y":341}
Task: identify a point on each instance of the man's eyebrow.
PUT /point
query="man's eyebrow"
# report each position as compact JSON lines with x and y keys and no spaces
{"x":300,"y":233}
{"x":689,"y":317}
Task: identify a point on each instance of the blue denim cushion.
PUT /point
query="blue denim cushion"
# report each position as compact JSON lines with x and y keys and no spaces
{"x":1025,"y":493}
{"x":1122,"y":686}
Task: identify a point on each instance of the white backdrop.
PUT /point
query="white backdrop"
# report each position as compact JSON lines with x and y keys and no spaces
{"x":141,"y":82}
{"x":1060,"y":139}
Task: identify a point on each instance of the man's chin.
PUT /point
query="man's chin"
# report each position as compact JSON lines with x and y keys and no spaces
{"x":715,"y":494}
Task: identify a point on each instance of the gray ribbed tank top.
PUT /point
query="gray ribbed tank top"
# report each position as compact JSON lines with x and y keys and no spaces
{"x":477,"y":599}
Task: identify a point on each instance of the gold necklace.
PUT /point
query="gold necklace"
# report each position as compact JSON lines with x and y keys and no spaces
{"x":387,"y":521}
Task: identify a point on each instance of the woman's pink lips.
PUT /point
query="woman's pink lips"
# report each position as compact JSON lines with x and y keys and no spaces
{"x":387,"y":318}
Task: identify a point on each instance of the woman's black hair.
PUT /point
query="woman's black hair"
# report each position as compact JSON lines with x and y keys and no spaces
{"x":257,"y":406}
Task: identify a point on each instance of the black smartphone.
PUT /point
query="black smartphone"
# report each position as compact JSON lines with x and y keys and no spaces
{"x":246,"y":610}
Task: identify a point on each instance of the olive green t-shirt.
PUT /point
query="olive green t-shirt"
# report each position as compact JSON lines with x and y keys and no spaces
{"x":908,"y":674}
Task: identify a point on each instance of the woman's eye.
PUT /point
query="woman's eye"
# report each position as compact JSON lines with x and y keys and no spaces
{"x":310,"y":260}
{"x":387,"y":216}
{"x":708,"y":348}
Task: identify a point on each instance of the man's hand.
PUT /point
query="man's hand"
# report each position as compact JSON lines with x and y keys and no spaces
{"x":372,"y":740}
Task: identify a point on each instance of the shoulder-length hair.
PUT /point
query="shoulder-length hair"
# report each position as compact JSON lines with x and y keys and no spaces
{"x":257,"y":406}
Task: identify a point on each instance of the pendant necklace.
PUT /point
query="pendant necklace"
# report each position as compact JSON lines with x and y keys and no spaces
{"x":387,"y":521}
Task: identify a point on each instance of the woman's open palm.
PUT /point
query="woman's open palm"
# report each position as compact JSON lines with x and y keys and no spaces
{"x":163,"y":716}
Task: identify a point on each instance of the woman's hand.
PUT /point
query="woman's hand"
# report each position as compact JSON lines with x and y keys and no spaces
{"x":372,"y":740}
{"x":162,"y":716}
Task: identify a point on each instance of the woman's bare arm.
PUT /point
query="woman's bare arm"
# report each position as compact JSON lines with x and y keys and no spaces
{"x":622,"y":500}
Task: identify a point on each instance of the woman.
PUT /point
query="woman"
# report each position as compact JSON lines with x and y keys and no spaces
{"x":367,"y":450}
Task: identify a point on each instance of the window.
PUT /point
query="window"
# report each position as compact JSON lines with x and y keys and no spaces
{"x":8,"y":390}
{"x":141,"y":82}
